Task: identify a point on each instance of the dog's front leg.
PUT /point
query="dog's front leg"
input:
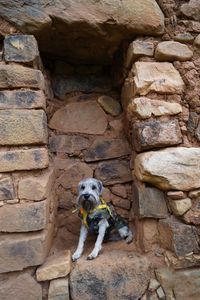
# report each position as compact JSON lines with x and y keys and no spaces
{"x":83,"y":235}
{"x":103,"y":225}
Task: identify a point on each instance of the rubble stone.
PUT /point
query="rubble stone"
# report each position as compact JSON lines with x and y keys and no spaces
{"x":59,"y":289}
{"x":110,"y":105}
{"x":180,"y":207}
{"x":6,"y":189}
{"x":172,"y":51}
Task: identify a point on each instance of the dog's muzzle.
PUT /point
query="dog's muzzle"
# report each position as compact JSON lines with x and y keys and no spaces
{"x":87,"y":202}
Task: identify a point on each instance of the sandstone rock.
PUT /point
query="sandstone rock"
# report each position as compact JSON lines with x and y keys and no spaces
{"x":180,"y":207}
{"x":63,"y":85}
{"x":136,"y":49}
{"x":59,"y":289}
{"x":160,"y":293}
{"x":20,"y":287}
{"x":155,"y":134}
{"x":74,"y":172}
{"x":192,"y":26}
{"x":171,"y":51}
{"x":24,"y":217}
{"x":110,"y":105}
{"x":194,"y":194}
{"x":106,"y":148}
{"x":113,"y":171}
{"x":6,"y":189}
{"x":197,"y":41}
{"x":157,"y":77}
{"x":144,"y":108}
{"x":182,"y":262}
{"x":18,"y":160}
{"x":119,"y":190}
{"x":15,"y":76}
{"x":22,"y":250}
{"x":178,"y":237}
{"x":65,"y":199}
{"x":57,"y":265}
{"x":36,"y":187}
{"x":153,"y":285}
{"x":99,"y":35}
{"x":147,"y":234}
{"x":127,"y":92}
{"x":124,"y":213}
{"x":23,"y":127}
{"x":184,"y":37}
{"x":191,"y":10}
{"x":192,"y":122}
{"x":149,"y":202}
{"x":120,"y":202}
{"x":21,"y":48}
{"x":125,"y":277}
{"x":158,"y":168}
{"x":68,"y":144}
{"x":193,"y":215}
{"x":176,"y":195}
{"x":90,"y":118}
{"x":22,"y":99}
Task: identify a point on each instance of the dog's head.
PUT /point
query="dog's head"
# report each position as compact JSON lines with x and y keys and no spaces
{"x":89,"y":191}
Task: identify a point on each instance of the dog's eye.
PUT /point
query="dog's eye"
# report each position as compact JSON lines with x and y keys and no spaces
{"x":82,"y":187}
{"x":93,"y":187}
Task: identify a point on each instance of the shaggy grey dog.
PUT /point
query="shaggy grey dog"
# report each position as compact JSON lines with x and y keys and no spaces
{"x":97,"y":217}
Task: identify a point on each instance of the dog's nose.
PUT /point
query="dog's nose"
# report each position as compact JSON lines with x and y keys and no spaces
{"x":86,"y":196}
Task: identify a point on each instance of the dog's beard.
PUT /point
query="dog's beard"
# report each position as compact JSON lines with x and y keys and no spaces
{"x":87,"y":204}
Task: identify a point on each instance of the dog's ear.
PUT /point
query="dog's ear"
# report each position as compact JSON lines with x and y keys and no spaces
{"x":100,"y":186}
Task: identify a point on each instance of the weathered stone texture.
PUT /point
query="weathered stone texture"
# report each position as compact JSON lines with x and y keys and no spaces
{"x":68,"y":144}
{"x":36,"y":187}
{"x":173,"y":168}
{"x":57,"y":265}
{"x":113,"y":171}
{"x":19,"y":251}
{"x":15,"y":76}
{"x":171,"y":51}
{"x":20,"y":287}
{"x":59,"y":289}
{"x":144,"y":108}
{"x":191,"y":9}
{"x":24,"y":217}
{"x":180,"y":207}
{"x":6,"y":189}
{"x":155,"y":134}
{"x":22,"y":99}
{"x":149,"y":202}
{"x":106,"y":148}
{"x":127,"y":278}
{"x":110,"y":105}
{"x":21,"y":48}
{"x":91,"y":118}
{"x":23,"y":127}
{"x":178,"y":237}
{"x":156,"y":77}
{"x":197,"y":41}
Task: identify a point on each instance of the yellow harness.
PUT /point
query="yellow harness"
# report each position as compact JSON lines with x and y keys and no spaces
{"x":84,"y":213}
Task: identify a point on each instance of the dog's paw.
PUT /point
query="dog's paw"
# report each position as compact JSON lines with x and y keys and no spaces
{"x":76,"y":256}
{"x":129,"y":238}
{"x":92,"y":255}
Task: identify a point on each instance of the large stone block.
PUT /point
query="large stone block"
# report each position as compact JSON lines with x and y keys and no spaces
{"x":178,"y":237}
{"x":18,"y":160}
{"x":156,"y":134}
{"x":125,"y":276}
{"x":113,"y":171}
{"x":59,"y":289}
{"x":170,"y":169}
{"x":22,"y":99}
{"x":23,"y":127}
{"x":71,"y":144}
{"x":6,"y":189}
{"x":22,"y":250}
{"x":147,"y":234}
{"x":24,"y":217}
{"x":20,"y":287}
{"x":171,"y":51}
{"x":36,"y":187}
{"x":106,"y":148}
{"x":149,"y":202}
{"x":21,"y":48}
{"x":90,"y":118}
{"x":156,"y":77}
{"x":16,"y":76}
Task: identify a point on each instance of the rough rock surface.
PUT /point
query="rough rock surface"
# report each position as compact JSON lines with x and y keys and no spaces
{"x":173,"y":168}
{"x":191,"y":9}
{"x":179,"y":207}
{"x":157,"y":77}
{"x":171,"y":51}
{"x":126,"y":278}
{"x":59,"y":289}
{"x":110,"y":105}
{"x":85,"y":117}
{"x":68,"y":144}
{"x":6,"y":189}
{"x":95,"y":28}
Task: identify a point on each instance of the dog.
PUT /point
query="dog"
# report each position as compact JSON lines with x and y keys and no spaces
{"x":97,"y":217}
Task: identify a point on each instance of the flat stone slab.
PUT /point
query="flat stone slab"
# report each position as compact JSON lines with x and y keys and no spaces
{"x":71,"y":144}
{"x":170,"y":169}
{"x":85,"y":117}
{"x":18,"y":160}
{"x":113,"y":275}
{"x":16,"y":76}
{"x":160,"y":77}
{"x":59,"y":289}
{"x":57,"y":265}
{"x":144,"y":108}
{"x":136,"y":49}
{"x":22,"y":99}
{"x":171,"y":51}
{"x":23,"y":127}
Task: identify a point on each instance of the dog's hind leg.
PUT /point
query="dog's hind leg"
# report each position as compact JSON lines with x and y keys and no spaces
{"x":126,"y":234}
{"x":103,"y":225}
{"x":83,"y":235}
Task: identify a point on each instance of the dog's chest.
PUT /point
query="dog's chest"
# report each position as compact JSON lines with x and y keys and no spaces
{"x":94,"y":218}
